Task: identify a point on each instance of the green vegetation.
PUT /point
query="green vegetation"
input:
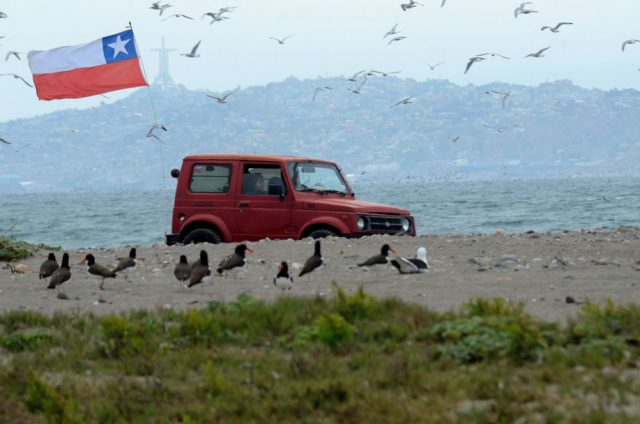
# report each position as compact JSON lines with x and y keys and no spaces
{"x":351,"y":358}
{"x":13,"y":250}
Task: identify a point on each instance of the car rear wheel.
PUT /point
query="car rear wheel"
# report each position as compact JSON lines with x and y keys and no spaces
{"x":202,"y":235}
{"x":322,"y":233}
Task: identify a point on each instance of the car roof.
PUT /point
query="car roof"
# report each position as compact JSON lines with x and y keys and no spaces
{"x":256,"y":158}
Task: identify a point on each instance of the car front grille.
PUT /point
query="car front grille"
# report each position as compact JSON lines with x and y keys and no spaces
{"x":385,"y":224}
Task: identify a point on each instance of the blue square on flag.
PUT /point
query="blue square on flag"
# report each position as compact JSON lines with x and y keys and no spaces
{"x":119,"y":47}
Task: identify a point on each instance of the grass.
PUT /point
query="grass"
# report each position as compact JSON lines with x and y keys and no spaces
{"x":351,"y":358}
{"x":14,"y":250}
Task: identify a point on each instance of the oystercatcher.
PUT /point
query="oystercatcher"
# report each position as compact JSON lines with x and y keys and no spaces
{"x":380,"y":259}
{"x":98,"y":271}
{"x":128,"y":262}
{"x":48,"y":267}
{"x":200,"y":273}
{"x":236,"y":260}
{"x":315,"y":261}
{"x":283,"y":280}
{"x":60,"y":275}
{"x":182,"y":271}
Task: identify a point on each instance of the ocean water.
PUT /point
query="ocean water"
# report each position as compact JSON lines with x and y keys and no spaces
{"x":74,"y":220}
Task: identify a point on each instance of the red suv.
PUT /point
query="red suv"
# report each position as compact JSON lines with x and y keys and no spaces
{"x":231,"y":198}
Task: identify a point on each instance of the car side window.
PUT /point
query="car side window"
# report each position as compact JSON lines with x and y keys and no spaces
{"x":262,"y":180}
{"x":208,"y":178}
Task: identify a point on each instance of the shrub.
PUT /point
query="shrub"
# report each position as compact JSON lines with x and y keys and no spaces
{"x":491,"y":329}
{"x":358,"y":305}
{"x":332,"y":330}
{"x":13,"y":250}
{"x":26,"y":340}
{"x":595,"y":321}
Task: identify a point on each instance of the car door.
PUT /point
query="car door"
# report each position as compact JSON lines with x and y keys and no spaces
{"x":263,"y":210}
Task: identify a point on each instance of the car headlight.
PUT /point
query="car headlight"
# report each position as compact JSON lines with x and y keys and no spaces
{"x":406,"y":224}
{"x":361,"y":223}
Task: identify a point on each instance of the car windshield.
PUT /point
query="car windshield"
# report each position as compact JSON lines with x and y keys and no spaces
{"x":316,"y":177}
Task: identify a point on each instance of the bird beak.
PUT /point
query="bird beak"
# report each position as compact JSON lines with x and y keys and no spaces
{"x":391,"y":249}
{"x":83,"y":261}
{"x":250,"y":250}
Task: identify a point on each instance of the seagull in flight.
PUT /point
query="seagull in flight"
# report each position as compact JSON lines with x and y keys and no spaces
{"x":404,"y":101}
{"x":501,"y":129}
{"x":354,"y":77}
{"x":504,"y":95}
{"x":155,"y":126}
{"x":373,"y":72}
{"x":3,"y":15}
{"x":161,"y":7}
{"x":18,"y":77}
{"x":555,"y":28}
{"x":357,"y":90}
{"x":401,"y":37}
{"x":177,"y":15}
{"x":410,"y":5}
{"x":319,"y":89}
{"x":222,"y":99}
{"x":433,"y":67}
{"x":193,"y":51}
{"x":392,"y":31}
{"x":443,"y":3}
{"x":538,"y":53}
{"x":520,"y":10}
{"x":492,"y":54}
{"x":455,"y":139}
{"x":628,"y":42}
{"x":472,"y":61}
{"x":215,"y":17}
{"x":12,"y":53}
{"x":2,"y":140}
{"x":281,"y":40}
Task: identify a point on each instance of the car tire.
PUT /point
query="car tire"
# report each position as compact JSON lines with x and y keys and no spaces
{"x":202,"y":235}
{"x":322,"y":233}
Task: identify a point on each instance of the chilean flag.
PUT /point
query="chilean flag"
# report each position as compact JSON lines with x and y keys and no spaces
{"x":107,"y":64}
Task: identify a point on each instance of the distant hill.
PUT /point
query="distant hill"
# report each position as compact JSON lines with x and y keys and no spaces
{"x":555,"y":129}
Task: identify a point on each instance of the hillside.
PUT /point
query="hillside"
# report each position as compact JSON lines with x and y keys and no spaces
{"x":552,"y":129}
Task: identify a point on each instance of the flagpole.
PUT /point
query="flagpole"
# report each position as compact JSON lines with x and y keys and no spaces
{"x":160,"y":143}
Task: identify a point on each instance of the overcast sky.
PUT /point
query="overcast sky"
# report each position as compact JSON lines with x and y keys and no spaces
{"x":331,"y":38}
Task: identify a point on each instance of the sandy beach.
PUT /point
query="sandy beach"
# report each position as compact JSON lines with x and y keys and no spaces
{"x":541,"y":270}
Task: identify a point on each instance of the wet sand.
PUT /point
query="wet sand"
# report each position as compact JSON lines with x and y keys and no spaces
{"x":541,"y":270}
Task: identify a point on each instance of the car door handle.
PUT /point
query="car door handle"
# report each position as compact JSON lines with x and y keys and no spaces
{"x":244,"y":204}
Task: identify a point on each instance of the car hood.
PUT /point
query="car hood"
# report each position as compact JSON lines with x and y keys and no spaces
{"x":352,"y":205}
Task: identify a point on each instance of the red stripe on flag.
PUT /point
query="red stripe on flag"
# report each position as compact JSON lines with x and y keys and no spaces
{"x":85,"y":82}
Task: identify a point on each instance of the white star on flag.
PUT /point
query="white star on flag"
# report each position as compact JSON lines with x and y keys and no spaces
{"x":118,"y":46}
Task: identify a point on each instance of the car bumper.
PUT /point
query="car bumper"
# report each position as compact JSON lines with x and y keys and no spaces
{"x":172,"y":239}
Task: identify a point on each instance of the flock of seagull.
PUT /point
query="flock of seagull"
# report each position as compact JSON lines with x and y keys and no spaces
{"x":223,"y":13}
{"x":199,"y":271}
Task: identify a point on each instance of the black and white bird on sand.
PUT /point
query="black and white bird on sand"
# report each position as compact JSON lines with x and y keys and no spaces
{"x":283,"y":280}
{"x":314,"y":262}
{"x":415,"y":265}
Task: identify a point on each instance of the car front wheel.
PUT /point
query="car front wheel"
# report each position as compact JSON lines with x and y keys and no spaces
{"x":317,"y":234}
